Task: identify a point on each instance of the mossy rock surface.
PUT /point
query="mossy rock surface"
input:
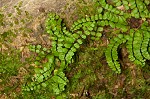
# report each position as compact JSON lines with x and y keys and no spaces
{"x":96,"y":56}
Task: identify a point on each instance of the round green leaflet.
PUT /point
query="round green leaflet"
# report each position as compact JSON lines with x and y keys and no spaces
{"x":76,"y":45}
{"x":79,"y":41}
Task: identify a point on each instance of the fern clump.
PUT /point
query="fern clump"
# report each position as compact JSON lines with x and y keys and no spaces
{"x":65,"y":41}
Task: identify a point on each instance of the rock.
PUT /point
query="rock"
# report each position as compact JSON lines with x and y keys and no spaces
{"x":34,"y":7}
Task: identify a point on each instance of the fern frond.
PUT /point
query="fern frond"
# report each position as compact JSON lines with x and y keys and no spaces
{"x":111,"y":53}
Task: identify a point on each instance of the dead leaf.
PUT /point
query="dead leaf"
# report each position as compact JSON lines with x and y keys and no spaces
{"x":121,"y":7}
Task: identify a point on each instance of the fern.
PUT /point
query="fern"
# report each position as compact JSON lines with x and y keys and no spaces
{"x":111,"y":53}
{"x":65,"y":42}
{"x":138,"y":45}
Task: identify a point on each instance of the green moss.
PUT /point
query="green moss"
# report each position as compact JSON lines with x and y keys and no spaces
{"x":9,"y":67}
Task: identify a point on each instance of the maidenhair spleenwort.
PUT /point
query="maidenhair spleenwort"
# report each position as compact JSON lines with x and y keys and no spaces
{"x":65,"y":42}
